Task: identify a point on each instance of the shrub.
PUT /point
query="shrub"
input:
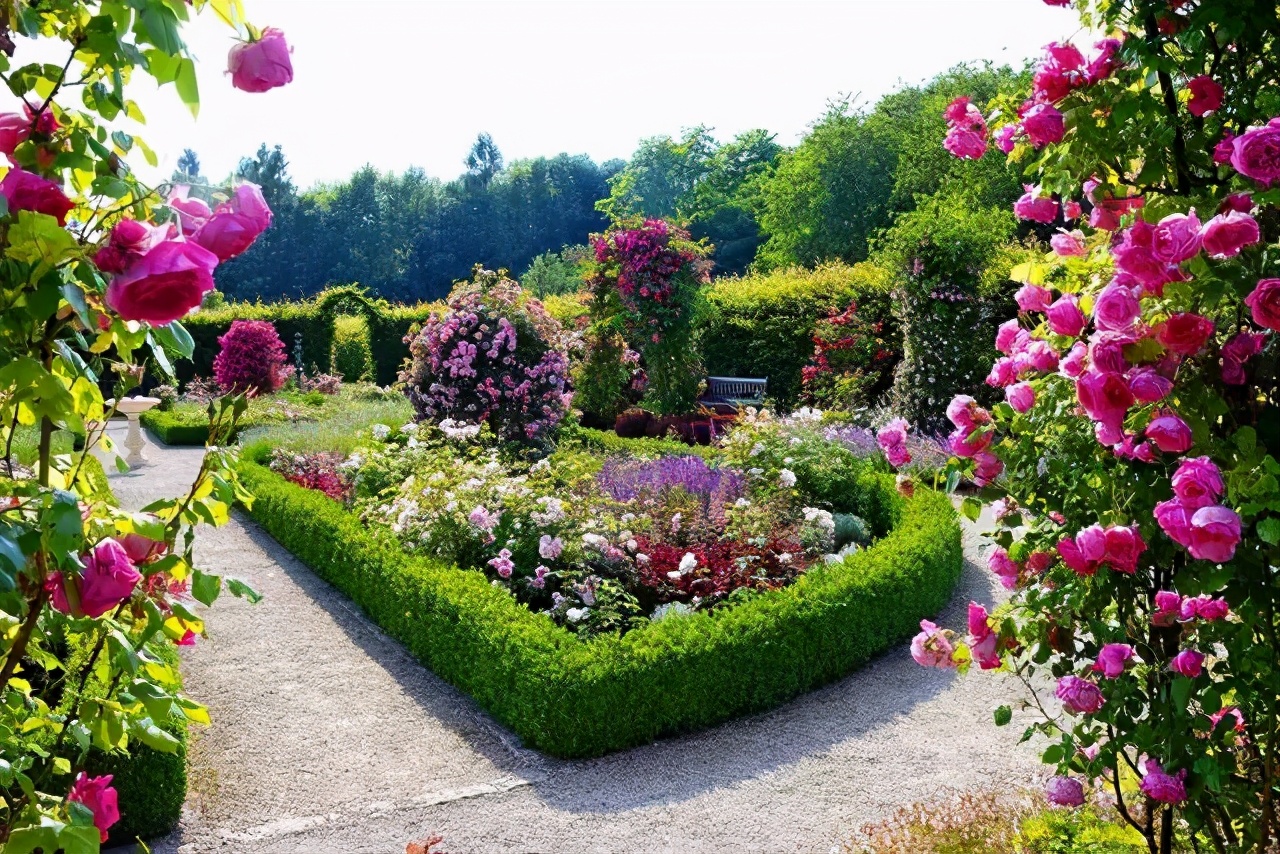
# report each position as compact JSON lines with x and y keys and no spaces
{"x":852,"y":363}
{"x":494,"y":357}
{"x":252,"y":359}
{"x":352,"y":351}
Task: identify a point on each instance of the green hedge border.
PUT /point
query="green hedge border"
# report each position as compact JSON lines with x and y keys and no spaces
{"x":573,"y":698}
{"x":172,"y":429}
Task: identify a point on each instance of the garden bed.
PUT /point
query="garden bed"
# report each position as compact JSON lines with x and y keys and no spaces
{"x":573,"y":696}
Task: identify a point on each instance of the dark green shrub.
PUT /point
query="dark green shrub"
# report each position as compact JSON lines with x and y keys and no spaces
{"x":183,"y":426}
{"x":352,"y":350}
{"x":573,"y":698}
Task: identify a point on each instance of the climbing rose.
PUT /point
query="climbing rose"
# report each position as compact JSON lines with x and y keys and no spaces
{"x":1227,"y":233}
{"x":964,"y":412}
{"x":1072,"y":364}
{"x":1116,"y":309}
{"x":14,"y":129}
{"x":1229,"y":711}
{"x":1124,"y":545}
{"x":258,"y":66}
{"x":1037,"y":209}
{"x":965,"y":144}
{"x":1169,"y":433}
{"x":982,"y":641}
{"x":1068,"y":244}
{"x":1105,"y":62}
{"x":1005,"y":138}
{"x":986,"y":469}
{"x":1206,"y":95}
{"x":1239,"y":349}
{"x":128,"y":242}
{"x":892,"y":439}
{"x":1104,"y":395}
{"x":26,"y":191}
{"x":1176,"y":238}
{"x":1185,"y":333}
{"x":1174,"y":518}
{"x":1197,"y":482}
{"x":1256,"y":153}
{"x":1167,"y":606}
{"x":968,"y":443}
{"x":1239,"y":202}
{"x":192,"y":213}
{"x":1225,"y":147}
{"x":1064,"y":792}
{"x":108,"y":579}
{"x":932,"y":648}
{"x":1203,"y":607}
{"x":1043,"y":125}
{"x":1065,"y":316}
{"x":236,"y":224}
{"x":1264,"y":302}
{"x":1159,"y":786}
{"x":1148,"y":386}
{"x":502,"y":563}
{"x":164,"y":284}
{"x":1187,"y":663}
{"x":1003,"y":567}
{"x":1112,"y":659}
{"x":96,"y":794}
{"x":1031,"y":297}
{"x":1078,"y":696}
{"x":1021,"y":396}
{"x":1007,"y":335}
{"x":1215,"y":533}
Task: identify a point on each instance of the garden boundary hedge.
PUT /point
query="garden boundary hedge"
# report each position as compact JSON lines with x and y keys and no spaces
{"x":172,"y":429}
{"x":574,"y":698}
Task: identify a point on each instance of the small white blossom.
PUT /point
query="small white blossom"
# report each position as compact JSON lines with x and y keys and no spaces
{"x":381,"y":432}
{"x":577,"y":615}
{"x":687,"y":563}
{"x":786,"y":478}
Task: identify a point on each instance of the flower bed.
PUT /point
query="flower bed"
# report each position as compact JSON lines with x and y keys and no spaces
{"x":575,"y":693}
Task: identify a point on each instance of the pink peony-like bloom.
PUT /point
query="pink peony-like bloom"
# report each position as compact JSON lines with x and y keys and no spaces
{"x":1169,"y":433}
{"x":1039,"y":562}
{"x":1176,"y":238}
{"x":107,"y":580}
{"x":1112,"y":659}
{"x":1187,"y":663}
{"x":1197,"y":482}
{"x":26,"y":191}
{"x":1215,"y":533}
{"x":1203,"y":607}
{"x":1206,"y":95}
{"x":1148,"y":386}
{"x":963,"y":411}
{"x":1006,"y":334}
{"x":1264,"y":303}
{"x":1035,"y":208}
{"x":1124,"y":546}
{"x":1093,"y":544}
{"x":1005,"y":137}
{"x":258,"y":66}
{"x":1239,"y":202}
{"x":236,"y":224}
{"x":1069,"y":244}
{"x":1167,"y":607}
{"x":1226,"y":234}
{"x":481,"y":518}
{"x":1044,"y":125}
{"x":1238,"y":350}
{"x":982,"y":641}
{"x":1031,"y":297}
{"x":128,"y":242}
{"x":14,"y":130}
{"x":1072,"y":364}
{"x":98,"y":796}
{"x":1256,"y":153}
{"x":192,"y":213}
{"x":1162,"y":787}
{"x":892,"y":438}
{"x":1078,"y":696}
{"x":1185,"y":333}
{"x":961,"y":111}
{"x":539,"y":579}
{"x":1116,"y":309}
{"x":1021,"y":396}
{"x":1105,"y":62}
{"x":549,"y":547}
{"x":987,"y":467}
{"x":965,"y":143}
{"x":932,"y":647}
{"x":968,"y":443}
{"x":1174,"y":518}
{"x":163,"y":285}
{"x":1224,"y":148}
{"x":1071,"y":210}
{"x":503,"y":564}
{"x":1065,"y":317}
{"x":1038,"y":356}
{"x":1074,"y":558}
{"x":1104,"y":395}
{"x":1004,"y":567}
{"x":1064,"y":792}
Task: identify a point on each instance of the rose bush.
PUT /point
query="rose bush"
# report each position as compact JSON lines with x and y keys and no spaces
{"x":1146,"y":538}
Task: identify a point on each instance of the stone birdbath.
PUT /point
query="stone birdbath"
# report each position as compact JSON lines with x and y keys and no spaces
{"x":132,"y":407}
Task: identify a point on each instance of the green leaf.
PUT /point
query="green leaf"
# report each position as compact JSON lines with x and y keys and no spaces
{"x":175,"y":337}
{"x":152,"y":736}
{"x":244,"y":591}
{"x":1003,"y":715}
{"x":1269,"y":530}
{"x":188,"y":88}
{"x":971,"y":508}
{"x":205,"y":587}
{"x":953,"y":480}
{"x":37,"y":237}
{"x":1246,"y":439}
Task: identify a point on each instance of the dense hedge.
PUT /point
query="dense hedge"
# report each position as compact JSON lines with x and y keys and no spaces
{"x":572,"y":698}
{"x":762,"y":325}
{"x":173,"y":428}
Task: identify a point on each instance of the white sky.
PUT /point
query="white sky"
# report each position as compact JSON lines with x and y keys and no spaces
{"x":411,"y":82}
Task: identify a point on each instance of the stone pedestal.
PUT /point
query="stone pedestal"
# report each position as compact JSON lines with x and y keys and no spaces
{"x":132,"y":407}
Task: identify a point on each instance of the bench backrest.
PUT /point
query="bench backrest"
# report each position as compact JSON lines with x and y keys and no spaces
{"x":737,"y":388}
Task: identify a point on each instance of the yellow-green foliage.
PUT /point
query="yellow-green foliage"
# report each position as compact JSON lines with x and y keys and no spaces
{"x":352,"y":350}
{"x":566,"y":308}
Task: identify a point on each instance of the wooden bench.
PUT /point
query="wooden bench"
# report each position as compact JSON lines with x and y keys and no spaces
{"x":734,"y":392}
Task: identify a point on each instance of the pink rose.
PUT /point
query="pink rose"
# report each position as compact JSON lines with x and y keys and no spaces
{"x":14,"y":130}
{"x":1065,"y":316}
{"x":97,"y":795}
{"x":1162,"y":787}
{"x":1169,"y":433}
{"x":1224,"y":148}
{"x":1135,"y":255}
{"x":1104,"y":395}
{"x":1104,"y":62}
{"x":987,"y":467}
{"x":1256,"y":153}
{"x":1043,"y":125}
{"x":1176,"y":238}
{"x":1005,"y":138}
{"x":1006,"y":334}
{"x":1167,"y":606}
{"x":1187,"y":663}
{"x":1215,"y":533}
{"x":236,"y":224}
{"x":1123,"y":546}
{"x":1264,"y":302}
{"x":1078,"y":696}
{"x":892,"y":439}
{"x":1174,"y":519}
{"x":261,"y":65}
{"x":128,"y":242}
{"x":1074,"y":558}
{"x":1069,"y":244}
{"x":1148,"y":386}
{"x":1004,"y":568}
{"x":1237,"y":351}
{"x":932,"y":647}
{"x":26,"y":191}
{"x":1116,"y":309}
{"x":1197,"y":482}
{"x":1038,"y":562}
{"x":1203,"y":607}
{"x":1037,"y":209}
{"x":107,"y":580}
{"x":1240,"y":202}
{"x":1072,"y":364}
{"x":1112,"y":659}
{"x":965,"y":144}
{"x":963,"y":411}
{"x":1031,"y":297}
{"x":961,"y":111}
{"x":967,"y":443}
{"x":1039,"y":356}
{"x":982,"y":641}
{"x":1021,"y":396}
{"x":1206,"y":95}
{"x":1004,"y":372}
{"x":1226,"y":234}
{"x":1185,"y":333}
{"x":1064,"y":792}
{"x":191,"y":213}
{"x":163,"y":285}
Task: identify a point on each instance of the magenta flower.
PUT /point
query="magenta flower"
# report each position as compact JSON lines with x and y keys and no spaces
{"x":1188,"y":663}
{"x":1167,"y":607}
{"x":932,"y":647}
{"x":1072,"y":364}
{"x":1185,"y":333}
{"x":1065,"y":317}
{"x":1031,"y":297}
{"x":1227,"y":233}
{"x":1214,"y":534}
{"x":1007,"y":335}
{"x":258,"y":66}
{"x":1004,"y":568}
{"x":98,"y":796}
{"x":1148,"y":386}
{"x":964,"y":412}
{"x":1264,"y":303}
{"x":987,"y":467}
{"x":1021,"y":396}
{"x":107,"y":580}
{"x":1104,"y":63}
{"x":1104,"y":395}
{"x":163,"y":285}
{"x":1005,"y":138}
{"x":1112,"y":659}
{"x":1238,"y":350}
{"x":1174,"y":519}
{"x":26,"y":191}
{"x":1064,"y":792}
{"x":1035,"y":208}
{"x":965,"y":143}
{"x":1069,"y":244}
{"x":1169,"y":433}
{"x":502,"y":563}
{"x":1206,"y":95}
{"x":1162,"y":787}
{"x":1197,"y":482}
{"x":1116,"y":309}
{"x":1044,"y":125}
{"x":1176,"y":238}
{"x":1256,"y":153}
{"x":1078,"y":696}
{"x":1203,"y":607}
{"x":982,"y":641}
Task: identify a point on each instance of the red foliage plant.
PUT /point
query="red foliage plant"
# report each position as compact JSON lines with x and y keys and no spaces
{"x":853,"y":360}
{"x":722,"y":567}
{"x":252,"y":359}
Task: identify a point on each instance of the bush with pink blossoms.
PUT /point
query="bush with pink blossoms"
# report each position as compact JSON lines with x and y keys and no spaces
{"x":252,"y":359}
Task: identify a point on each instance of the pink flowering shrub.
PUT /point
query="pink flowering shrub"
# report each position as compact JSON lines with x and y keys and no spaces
{"x":1143,"y":460}
{"x":494,"y":357}
{"x":252,"y":358}
{"x":322,"y":471}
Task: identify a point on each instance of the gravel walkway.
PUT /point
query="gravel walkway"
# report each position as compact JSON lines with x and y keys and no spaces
{"x":329,"y":737}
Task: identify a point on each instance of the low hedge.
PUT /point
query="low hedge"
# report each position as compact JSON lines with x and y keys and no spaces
{"x":173,"y":428}
{"x":574,"y":698}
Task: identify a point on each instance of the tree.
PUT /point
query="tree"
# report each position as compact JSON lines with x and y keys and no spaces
{"x":188,"y":166}
{"x":483,"y":162}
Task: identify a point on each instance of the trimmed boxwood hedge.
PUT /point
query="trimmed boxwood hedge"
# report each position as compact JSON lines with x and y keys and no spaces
{"x":573,"y":698}
{"x":173,"y":428}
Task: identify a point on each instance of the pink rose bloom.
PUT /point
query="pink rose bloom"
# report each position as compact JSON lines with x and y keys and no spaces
{"x":1031,"y":297}
{"x":1176,"y":238}
{"x":1003,"y":372}
{"x":1240,"y":202}
{"x":502,"y":563}
{"x":1206,"y":95}
{"x":1072,"y":364}
{"x":1093,"y":543}
{"x":1215,"y":533}
{"x":1065,"y":316}
{"x":1069,"y":244}
{"x":163,"y":285}
{"x":1185,"y":333}
{"x":1078,"y":696}
{"x":14,"y":130}
{"x":1112,"y":659}
{"x":965,"y":144}
{"x":142,"y":549}
{"x":236,"y":224}
{"x":1043,"y":125}
{"x":1134,"y":254}
{"x":1004,"y":568}
{"x":1236,"y":352}
{"x":1071,"y":210}
{"x":539,"y":579}
{"x":481,"y":518}
{"x":550,"y":548}
{"x":1256,"y":153}
{"x":1064,"y":792}
{"x":1104,"y":395}
{"x":982,"y":641}
{"x":961,"y":111}
{"x":1039,"y":562}
{"x":1174,"y":518}
{"x":1034,"y":208}
{"x":1005,"y":138}
{"x":1148,"y":386}
{"x":1124,"y":545}
{"x":963,"y":411}
{"x":1074,"y":558}
{"x":1169,"y":433}
{"x":1203,"y":607}
{"x":1264,"y":303}
{"x":1187,"y":663}
{"x":1021,"y":396}
{"x":1116,"y":309}
{"x":987,"y":468}
{"x":1225,"y":148}
{"x":932,"y":647}
{"x":1167,"y":606}
{"x":1226,"y":234}
{"x":1006,"y":334}
{"x":26,"y":191}
{"x":261,"y":65}
{"x":96,"y":794}
{"x":107,"y":580}
{"x":1237,"y":718}
{"x":892,"y":439}
{"x":1038,"y":356}
{"x":1197,"y":482}
{"x":128,"y":242}
{"x":192,"y":213}
{"x":1104,"y":62}
{"x":1162,"y":787}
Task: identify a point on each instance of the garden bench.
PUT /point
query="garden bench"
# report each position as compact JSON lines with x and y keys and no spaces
{"x":734,"y":392}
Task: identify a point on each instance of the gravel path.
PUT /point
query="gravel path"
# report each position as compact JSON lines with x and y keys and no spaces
{"x":329,"y":737}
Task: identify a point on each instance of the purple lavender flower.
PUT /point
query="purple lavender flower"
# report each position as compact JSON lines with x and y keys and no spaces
{"x":626,"y":479}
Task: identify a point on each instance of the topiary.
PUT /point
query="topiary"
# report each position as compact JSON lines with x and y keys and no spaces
{"x":352,"y":355}
{"x":252,"y":359}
